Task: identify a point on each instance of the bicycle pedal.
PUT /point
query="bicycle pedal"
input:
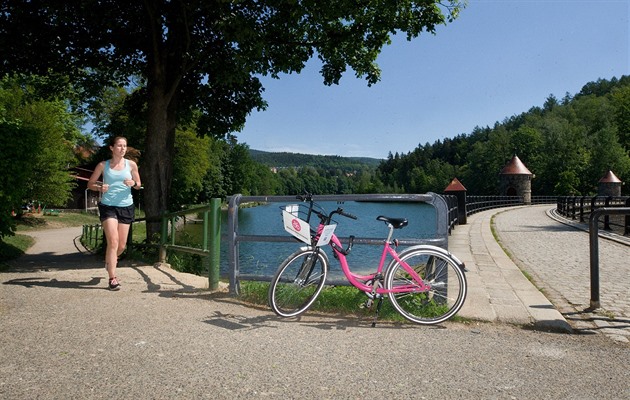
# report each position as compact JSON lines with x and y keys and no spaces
{"x":368,"y":304}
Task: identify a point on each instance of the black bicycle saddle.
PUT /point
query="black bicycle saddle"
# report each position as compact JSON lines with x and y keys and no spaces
{"x":397,"y":223}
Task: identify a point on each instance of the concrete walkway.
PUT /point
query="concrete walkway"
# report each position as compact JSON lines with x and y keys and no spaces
{"x":498,"y":290}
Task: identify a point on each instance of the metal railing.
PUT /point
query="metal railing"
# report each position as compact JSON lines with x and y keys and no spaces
{"x":581,"y":207}
{"x":209,"y":251}
{"x":234,"y":238}
{"x":453,"y":213}
{"x":544,"y":199}
{"x":92,"y":236}
{"x":481,"y":203}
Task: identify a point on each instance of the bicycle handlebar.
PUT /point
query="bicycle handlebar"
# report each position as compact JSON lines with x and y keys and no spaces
{"x":345,"y":214}
{"x":305,"y":197}
{"x":308,"y":197}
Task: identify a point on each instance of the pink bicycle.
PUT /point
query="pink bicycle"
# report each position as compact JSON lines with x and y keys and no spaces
{"x":425,"y":284}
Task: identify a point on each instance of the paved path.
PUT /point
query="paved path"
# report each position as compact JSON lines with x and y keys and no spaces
{"x":557,"y":257}
{"x":163,"y":336}
{"x":554,"y":252}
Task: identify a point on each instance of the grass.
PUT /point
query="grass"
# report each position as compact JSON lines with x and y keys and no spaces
{"x":32,"y":222}
{"x":344,"y":300}
{"x":12,"y":247}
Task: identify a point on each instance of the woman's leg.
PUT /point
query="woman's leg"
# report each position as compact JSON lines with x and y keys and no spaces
{"x":123,"y":233}
{"x":110,"y":228}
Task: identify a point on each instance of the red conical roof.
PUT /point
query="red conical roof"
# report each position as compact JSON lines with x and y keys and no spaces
{"x":515,"y":167}
{"x":455,"y":186}
{"x":610,"y":177}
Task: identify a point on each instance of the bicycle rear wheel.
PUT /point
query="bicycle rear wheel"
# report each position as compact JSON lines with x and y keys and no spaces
{"x":446,"y":281}
{"x":297,"y":282}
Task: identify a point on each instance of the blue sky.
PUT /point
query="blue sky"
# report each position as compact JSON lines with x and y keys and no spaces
{"x":498,"y":59}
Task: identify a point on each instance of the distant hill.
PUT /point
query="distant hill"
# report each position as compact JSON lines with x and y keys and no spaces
{"x":285,"y":159}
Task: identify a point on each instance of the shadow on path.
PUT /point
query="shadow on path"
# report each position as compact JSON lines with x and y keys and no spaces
{"x":55,"y":283}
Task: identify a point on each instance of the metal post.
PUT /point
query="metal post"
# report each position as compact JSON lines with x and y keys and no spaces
{"x":441,"y":209}
{"x":607,"y":217}
{"x":214,"y":256}
{"x":233,"y":244}
{"x":594,"y":248}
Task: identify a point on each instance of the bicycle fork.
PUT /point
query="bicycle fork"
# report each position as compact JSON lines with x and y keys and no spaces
{"x":304,"y":274}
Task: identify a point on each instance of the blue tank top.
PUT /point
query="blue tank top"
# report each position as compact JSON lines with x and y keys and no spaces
{"x":118,"y":194}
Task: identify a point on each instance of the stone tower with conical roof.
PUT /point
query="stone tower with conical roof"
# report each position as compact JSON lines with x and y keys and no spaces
{"x":455,"y":188}
{"x":516,"y":180}
{"x":609,"y":185}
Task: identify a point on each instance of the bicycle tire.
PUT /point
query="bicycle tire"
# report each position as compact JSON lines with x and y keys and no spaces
{"x":297,"y":282}
{"x":448,"y":287}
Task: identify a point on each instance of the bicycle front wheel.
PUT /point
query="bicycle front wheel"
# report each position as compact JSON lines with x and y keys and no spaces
{"x":441,"y":293}
{"x":297,"y":282}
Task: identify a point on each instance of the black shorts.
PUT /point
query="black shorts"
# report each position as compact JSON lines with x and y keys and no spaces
{"x":124,"y":215}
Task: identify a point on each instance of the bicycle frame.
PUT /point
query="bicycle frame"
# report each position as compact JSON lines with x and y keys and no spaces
{"x":360,"y":281}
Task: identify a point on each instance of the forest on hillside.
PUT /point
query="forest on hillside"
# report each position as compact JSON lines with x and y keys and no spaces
{"x":286,"y":160}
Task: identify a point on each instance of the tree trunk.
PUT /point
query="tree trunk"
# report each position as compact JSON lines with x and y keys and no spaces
{"x":157,"y":167}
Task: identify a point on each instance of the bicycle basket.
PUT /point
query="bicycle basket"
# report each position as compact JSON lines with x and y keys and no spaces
{"x":298,"y":222}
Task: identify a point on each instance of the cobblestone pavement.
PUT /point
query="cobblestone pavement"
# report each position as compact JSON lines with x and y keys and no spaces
{"x":557,"y":257}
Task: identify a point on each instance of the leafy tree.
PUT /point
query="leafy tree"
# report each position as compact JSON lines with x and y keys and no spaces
{"x":203,"y":55}
{"x":118,"y":112}
{"x":607,"y":154}
{"x":263,"y":181}
{"x":14,"y":173}
{"x":214,"y":182}
{"x":192,"y":162}
{"x":486,"y":160}
{"x":621,"y":103}
{"x":37,"y":137}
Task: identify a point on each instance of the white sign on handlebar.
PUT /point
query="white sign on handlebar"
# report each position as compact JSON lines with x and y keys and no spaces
{"x":325,"y":236}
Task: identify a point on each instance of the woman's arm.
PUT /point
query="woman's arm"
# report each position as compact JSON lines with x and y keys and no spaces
{"x":135,"y":175}
{"x":92,"y":182}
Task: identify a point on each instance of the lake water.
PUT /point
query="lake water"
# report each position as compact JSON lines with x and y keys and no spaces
{"x":261,"y":258}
